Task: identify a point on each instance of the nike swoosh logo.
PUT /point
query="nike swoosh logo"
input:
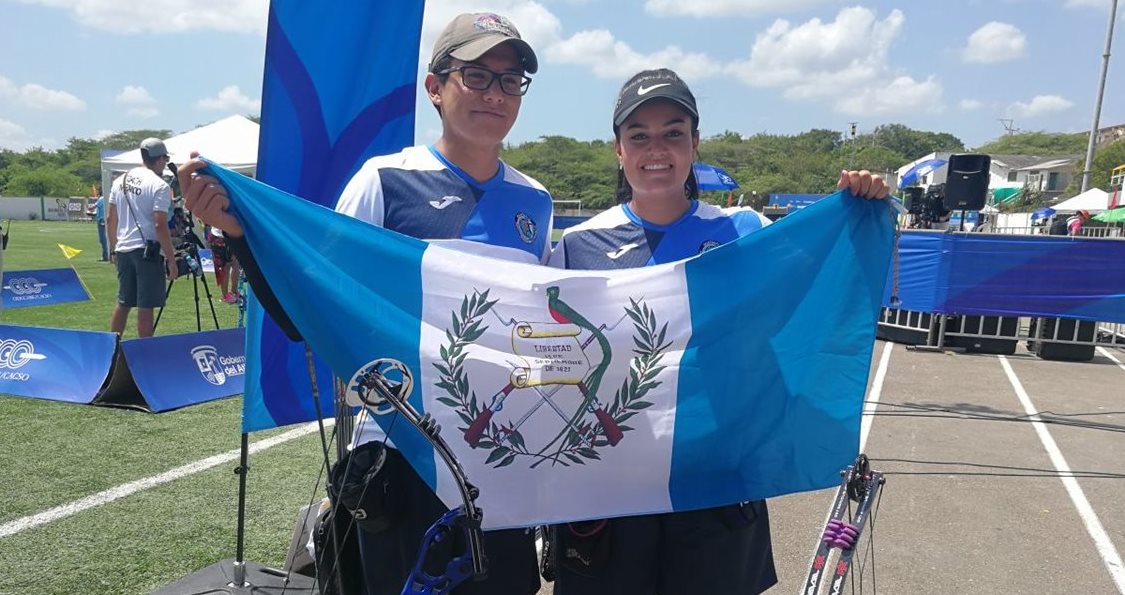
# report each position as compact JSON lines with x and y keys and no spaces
{"x":444,"y":201}
{"x":643,"y":90}
{"x":622,"y":250}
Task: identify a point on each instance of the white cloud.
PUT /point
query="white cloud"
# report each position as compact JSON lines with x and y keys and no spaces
{"x":1040,"y":105}
{"x":995,"y":42}
{"x":724,"y":8}
{"x":845,"y":58}
{"x":143,"y":104}
{"x":144,"y":113}
{"x":230,"y":98}
{"x":13,"y":136}
{"x":135,"y":95}
{"x":103,"y":133}
{"x":16,"y":138}
{"x":38,"y":97}
{"x":903,"y":96}
{"x":596,"y":49}
{"x":166,"y":16}
{"x":969,"y":105}
{"x":537,"y":26}
{"x":612,"y":59}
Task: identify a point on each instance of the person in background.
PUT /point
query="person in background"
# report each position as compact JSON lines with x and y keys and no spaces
{"x":141,"y":244}
{"x":99,"y":218}
{"x":1075,"y":222}
{"x":225,"y":264}
{"x":660,"y":219}
{"x":456,"y":190}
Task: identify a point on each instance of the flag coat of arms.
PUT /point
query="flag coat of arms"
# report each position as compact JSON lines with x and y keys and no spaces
{"x":735,"y":375}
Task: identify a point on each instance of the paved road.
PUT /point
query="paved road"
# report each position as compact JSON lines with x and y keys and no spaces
{"x":959,"y":530}
{"x":953,"y":519}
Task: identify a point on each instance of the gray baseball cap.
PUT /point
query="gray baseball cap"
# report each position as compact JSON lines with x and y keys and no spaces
{"x":153,"y":148}
{"x":469,"y":36}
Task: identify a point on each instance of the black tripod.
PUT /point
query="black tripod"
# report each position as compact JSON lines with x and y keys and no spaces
{"x":187,"y":262}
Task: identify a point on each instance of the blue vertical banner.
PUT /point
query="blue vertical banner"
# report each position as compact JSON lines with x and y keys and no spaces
{"x":338,"y":88}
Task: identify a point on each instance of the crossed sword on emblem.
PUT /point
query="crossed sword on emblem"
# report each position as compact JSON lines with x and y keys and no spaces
{"x":613,"y":432}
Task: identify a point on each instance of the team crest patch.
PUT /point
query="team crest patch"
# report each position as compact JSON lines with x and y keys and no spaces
{"x":559,"y":362}
{"x":525,"y":227}
{"x":709,"y":245}
{"x":495,"y":22}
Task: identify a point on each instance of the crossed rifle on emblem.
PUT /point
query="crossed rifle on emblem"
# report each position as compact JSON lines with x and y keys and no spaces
{"x":525,"y":334}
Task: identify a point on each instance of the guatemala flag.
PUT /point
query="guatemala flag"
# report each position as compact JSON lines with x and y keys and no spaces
{"x":735,"y":375}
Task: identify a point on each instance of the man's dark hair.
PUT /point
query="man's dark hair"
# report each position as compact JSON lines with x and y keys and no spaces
{"x":147,"y":160}
{"x":442,"y":64}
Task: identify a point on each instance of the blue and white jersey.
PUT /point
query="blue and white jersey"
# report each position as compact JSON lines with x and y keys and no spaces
{"x":619,"y":239}
{"x":419,"y":193}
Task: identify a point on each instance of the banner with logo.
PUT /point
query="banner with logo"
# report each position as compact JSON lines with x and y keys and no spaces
{"x":206,"y":261}
{"x":42,"y":287}
{"x":323,"y":114}
{"x":1005,"y":275}
{"x":734,"y":375}
{"x":175,"y":371}
{"x":54,"y":364}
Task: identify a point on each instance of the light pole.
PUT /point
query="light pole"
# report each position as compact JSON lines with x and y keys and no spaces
{"x":1088,"y":168}
{"x":851,"y":164}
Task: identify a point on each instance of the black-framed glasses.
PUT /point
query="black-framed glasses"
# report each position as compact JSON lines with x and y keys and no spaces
{"x":479,"y":78}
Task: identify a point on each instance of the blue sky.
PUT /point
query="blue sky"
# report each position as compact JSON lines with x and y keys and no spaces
{"x":88,"y":67}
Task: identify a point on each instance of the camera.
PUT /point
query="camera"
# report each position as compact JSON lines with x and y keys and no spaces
{"x":152,"y":251}
{"x":186,"y":264}
{"x":928,"y":208}
{"x":187,"y":260}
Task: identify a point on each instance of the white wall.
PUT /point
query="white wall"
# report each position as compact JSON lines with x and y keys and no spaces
{"x":23,"y":208}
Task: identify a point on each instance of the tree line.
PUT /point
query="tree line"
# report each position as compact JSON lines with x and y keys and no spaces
{"x":586,"y":171}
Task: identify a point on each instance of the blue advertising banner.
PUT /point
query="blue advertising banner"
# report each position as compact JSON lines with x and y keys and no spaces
{"x":175,"y":371}
{"x":42,"y":287}
{"x":54,"y":364}
{"x":964,"y":273}
{"x":324,"y":112}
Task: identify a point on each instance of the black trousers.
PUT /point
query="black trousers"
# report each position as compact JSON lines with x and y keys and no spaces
{"x":712,"y":551}
{"x":389,"y":555}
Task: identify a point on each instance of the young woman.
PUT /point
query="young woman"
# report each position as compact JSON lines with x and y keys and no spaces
{"x":660,"y":219}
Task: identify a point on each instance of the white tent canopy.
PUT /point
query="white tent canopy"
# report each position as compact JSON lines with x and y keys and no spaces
{"x":231,"y":142}
{"x":1093,"y":200}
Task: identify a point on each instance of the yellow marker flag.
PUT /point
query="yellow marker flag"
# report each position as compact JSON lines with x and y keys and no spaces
{"x":69,"y":251}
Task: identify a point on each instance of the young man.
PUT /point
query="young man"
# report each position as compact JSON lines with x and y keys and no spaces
{"x":139,"y":242}
{"x":456,"y":190}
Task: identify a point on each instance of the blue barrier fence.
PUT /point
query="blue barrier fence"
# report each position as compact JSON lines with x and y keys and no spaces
{"x":1058,"y":277}
{"x":42,"y":287}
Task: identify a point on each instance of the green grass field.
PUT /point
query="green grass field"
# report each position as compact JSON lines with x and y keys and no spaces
{"x":55,"y":453}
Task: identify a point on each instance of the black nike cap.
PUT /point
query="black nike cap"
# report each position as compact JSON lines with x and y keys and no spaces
{"x":661,"y":83}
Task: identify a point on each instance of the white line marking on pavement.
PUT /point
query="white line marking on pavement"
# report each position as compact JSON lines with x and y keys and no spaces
{"x":872,"y":402}
{"x":1105,"y":352}
{"x":1094,"y":527}
{"x":128,"y":489}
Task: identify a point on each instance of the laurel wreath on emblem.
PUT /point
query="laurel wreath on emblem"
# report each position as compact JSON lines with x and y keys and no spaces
{"x":504,"y":441}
